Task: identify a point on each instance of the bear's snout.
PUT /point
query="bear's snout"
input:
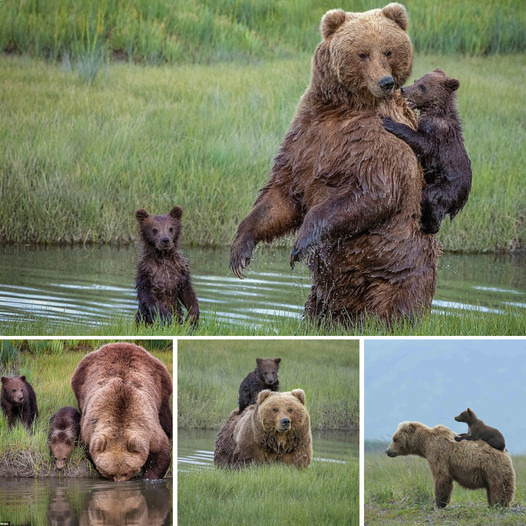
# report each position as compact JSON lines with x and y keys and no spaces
{"x":390,"y":453}
{"x":387,"y":84}
{"x":285,"y":423}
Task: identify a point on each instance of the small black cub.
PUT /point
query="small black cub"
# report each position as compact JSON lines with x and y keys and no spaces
{"x":478,"y":430}
{"x":438,"y":145}
{"x":264,"y":376}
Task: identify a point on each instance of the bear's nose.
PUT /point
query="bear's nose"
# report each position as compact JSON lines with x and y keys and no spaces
{"x":285,"y":422}
{"x":387,"y":84}
{"x":165,"y":240}
{"x":402,"y":91}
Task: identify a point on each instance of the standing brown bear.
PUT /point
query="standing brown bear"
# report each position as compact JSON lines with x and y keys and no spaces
{"x":18,"y":401}
{"x":64,"y":431}
{"x":264,"y":376}
{"x":123,"y":393}
{"x":439,"y":146}
{"x":350,"y":189}
{"x":163,"y":276}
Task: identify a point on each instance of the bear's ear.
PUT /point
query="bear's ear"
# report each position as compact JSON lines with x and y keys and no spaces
{"x":299,"y":394}
{"x":277,"y":361}
{"x":54,"y":439}
{"x":4,"y":379}
{"x":99,"y":444}
{"x":397,"y":13}
{"x":439,"y":71}
{"x":263,"y":395}
{"x":68,"y":441}
{"x":141,"y":215}
{"x":452,"y":84}
{"x":331,"y":21}
{"x":469,"y":411}
{"x":258,"y":361}
{"x":133,"y":445}
{"x":176,"y":212}
{"x":23,"y":378}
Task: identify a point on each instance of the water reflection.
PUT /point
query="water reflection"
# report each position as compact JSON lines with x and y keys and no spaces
{"x":195,"y":448}
{"x":89,"y":502}
{"x":61,"y":286}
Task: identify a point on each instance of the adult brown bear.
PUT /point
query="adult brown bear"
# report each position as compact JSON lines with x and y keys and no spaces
{"x":349,"y":188}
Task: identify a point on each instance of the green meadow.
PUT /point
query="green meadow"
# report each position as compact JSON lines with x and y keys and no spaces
{"x":48,"y":367}
{"x":400,"y":491}
{"x":209,"y":374}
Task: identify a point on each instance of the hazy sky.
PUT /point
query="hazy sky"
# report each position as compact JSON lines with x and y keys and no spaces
{"x":432,"y":381}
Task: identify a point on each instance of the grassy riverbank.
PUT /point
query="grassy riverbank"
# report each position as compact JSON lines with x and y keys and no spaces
{"x":48,"y":366}
{"x":401,"y":491}
{"x":210,"y":371}
{"x":76,"y":161}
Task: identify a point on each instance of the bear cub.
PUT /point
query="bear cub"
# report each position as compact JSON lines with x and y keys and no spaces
{"x":438,"y":145}
{"x":163,"y":276}
{"x":18,"y":401}
{"x":264,"y":376}
{"x":64,"y":430}
{"x":478,"y":430}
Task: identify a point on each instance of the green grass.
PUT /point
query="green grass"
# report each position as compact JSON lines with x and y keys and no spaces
{"x":271,"y":495}
{"x":210,"y":371}
{"x":154,"y":31}
{"x":401,"y":491}
{"x":76,"y":161}
{"x":48,"y":366}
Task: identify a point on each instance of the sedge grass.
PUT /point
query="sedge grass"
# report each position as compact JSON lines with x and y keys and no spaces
{"x":76,"y":161}
{"x":401,"y":489}
{"x":210,"y":371}
{"x":48,"y":366}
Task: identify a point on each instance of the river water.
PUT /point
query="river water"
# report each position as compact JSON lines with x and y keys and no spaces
{"x":87,"y":286}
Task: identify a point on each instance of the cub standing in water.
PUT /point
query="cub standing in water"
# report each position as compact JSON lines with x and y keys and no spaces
{"x":478,"y":430}
{"x":438,"y":145}
{"x":264,"y":376}
{"x":163,"y":276}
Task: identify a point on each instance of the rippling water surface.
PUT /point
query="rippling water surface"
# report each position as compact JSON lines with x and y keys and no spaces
{"x":64,"y":285}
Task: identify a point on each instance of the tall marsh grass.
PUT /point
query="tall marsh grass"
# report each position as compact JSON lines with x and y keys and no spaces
{"x":155,"y":31}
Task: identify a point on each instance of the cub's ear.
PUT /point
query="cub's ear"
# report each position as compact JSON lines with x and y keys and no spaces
{"x":23,"y":378}
{"x":439,"y":71}
{"x":141,"y":215}
{"x":4,"y":379}
{"x":299,"y":394}
{"x":68,"y":441}
{"x":54,"y":439}
{"x":258,"y":361}
{"x":452,"y":84}
{"x":470,"y":412}
{"x":277,"y":361}
{"x":397,"y":13}
{"x":263,"y":395}
{"x":99,"y":444}
{"x":331,"y":21}
{"x":176,"y":212}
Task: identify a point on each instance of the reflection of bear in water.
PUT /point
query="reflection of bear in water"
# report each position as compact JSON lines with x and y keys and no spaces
{"x":349,"y":189}
{"x":19,"y":401}
{"x":478,"y":430}
{"x":59,"y":510}
{"x":123,"y":393}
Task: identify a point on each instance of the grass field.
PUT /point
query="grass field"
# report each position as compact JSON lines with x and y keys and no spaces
{"x":400,"y":491}
{"x":77,"y":161}
{"x":48,"y":366}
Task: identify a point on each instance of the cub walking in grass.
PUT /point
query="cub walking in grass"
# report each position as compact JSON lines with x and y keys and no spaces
{"x":439,"y":146}
{"x":64,"y":431}
{"x":163,"y":276}
{"x":264,"y":376}
{"x":478,"y":430}
{"x":19,"y":401}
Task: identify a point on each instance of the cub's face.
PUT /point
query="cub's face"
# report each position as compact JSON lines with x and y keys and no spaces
{"x":282,"y":412}
{"x":162,"y":232}
{"x":433,"y":90}
{"x":268,"y":370}
{"x":61,"y":450}
{"x":14,"y":389}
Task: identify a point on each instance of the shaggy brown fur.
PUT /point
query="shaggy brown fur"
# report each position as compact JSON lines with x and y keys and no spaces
{"x":18,"y":401}
{"x":478,"y":430}
{"x":275,"y":429}
{"x":264,"y":376}
{"x":163,"y":276}
{"x":439,"y":146}
{"x":350,"y":189}
{"x":473,"y":465}
{"x":64,"y":431}
{"x":123,"y":394}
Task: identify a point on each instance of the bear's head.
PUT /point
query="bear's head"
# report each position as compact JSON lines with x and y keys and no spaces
{"x":61,"y":446}
{"x":160,"y":232}
{"x":466,"y":416}
{"x":282,"y":412}
{"x":14,"y":389}
{"x":119,"y":457}
{"x":367,"y":55}
{"x":268,"y":370}
{"x":432,"y":91}
{"x":404,"y":441}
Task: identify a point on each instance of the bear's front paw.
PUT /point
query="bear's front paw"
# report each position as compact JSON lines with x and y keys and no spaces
{"x":458,"y":439}
{"x":303,"y":245}
{"x":240,"y":258}
{"x":388,"y":123}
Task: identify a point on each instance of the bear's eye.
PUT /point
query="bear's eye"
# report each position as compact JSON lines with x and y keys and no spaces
{"x":290,"y":410}
{"x":275,"y":409}
{"x":388,"y":53}
{"x":422,"y":88}
{"x":154,"y":231}
{"x":171,"y":229}
{"x":395,"y":440}
{"x":363,"y":56}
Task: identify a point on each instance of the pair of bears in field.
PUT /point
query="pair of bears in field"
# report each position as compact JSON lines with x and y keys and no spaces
{"x":19,"y":402}
{"x":163,"y":277}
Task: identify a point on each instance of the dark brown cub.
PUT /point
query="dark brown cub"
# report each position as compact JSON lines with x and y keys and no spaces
{"x":264,"y":376}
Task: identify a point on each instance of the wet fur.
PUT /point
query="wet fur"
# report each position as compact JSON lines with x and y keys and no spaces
{"x":264,"y":376}
{"x":19,"y":401}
